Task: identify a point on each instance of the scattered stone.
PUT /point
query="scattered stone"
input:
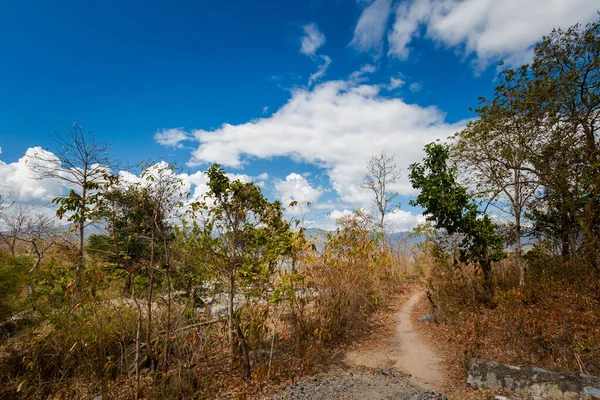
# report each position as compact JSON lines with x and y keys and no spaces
{"x":428,"y":318}
{"x":533,"y":382}
{"x":363,"y":383}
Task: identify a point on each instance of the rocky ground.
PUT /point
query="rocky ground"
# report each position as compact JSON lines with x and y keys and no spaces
{"x":357,"y":383}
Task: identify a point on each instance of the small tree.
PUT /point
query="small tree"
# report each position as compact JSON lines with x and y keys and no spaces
{"x":41,"y":234}
{"x":382,"y":172}
{"x":448,"y":205}
{"x":243,"y":238}
{"x":81,"y":164}
{"x":15,"y":227}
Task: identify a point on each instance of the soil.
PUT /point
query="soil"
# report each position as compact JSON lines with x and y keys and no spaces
{"x":393,"y":363}
{"x":404,"y":351}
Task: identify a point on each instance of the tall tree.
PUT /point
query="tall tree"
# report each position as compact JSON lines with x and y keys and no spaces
{"x":80,"y":162}
{"x":446,"y":203}
{"x":494,"y":151}
{"x":381,"y":173}
{"x":243,"y":238}
{"x":566,"y":69}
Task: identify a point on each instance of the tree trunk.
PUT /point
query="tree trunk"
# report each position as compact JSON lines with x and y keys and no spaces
{"x":230,"y":314}
{"x":149,"y":326}
{"x":520,"y":263}
{"x":81,"y":255}
{"x":488,"y":282}
{"x":565,"y":247}
{"x":137,"y":343}
{"x":127,"y":284}
{"x":168,"y":327}
{"x":245,"y":356}
{"x":517,"y":210}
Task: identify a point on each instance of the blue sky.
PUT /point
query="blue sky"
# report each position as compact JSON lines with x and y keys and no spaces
{"x":304,"y":91}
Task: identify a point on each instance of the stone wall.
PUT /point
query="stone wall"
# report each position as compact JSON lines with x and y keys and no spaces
{"x":532,"y":382}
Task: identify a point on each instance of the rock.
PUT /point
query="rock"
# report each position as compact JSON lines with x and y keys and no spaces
{"x":428,"y":317}
{"x":591,"y":393}
{"x":592,"y":369}
{"x":533,"y":382}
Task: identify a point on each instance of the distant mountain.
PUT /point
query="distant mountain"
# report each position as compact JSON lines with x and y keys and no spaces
{"x":395,"y":238}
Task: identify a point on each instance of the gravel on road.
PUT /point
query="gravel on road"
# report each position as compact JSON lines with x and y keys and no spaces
{"x":356,"y":383}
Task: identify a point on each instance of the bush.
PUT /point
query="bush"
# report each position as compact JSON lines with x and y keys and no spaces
{"x":552,"y":322}
{"x":13,"y":280}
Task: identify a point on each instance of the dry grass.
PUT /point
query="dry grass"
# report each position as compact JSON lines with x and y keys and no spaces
{"x":552,"y":322}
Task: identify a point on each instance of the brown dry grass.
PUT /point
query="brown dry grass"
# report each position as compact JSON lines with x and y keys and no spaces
{"x":553,"y":322}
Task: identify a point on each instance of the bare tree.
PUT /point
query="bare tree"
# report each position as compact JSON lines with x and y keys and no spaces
{"x":15,"y":224}
{"x":35,"y":230}
{"x":381,"y":172}
{"x":41,"y":234}
{"x":81,"y":163}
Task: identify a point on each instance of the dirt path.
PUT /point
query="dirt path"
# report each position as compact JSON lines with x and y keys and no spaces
{"x":398,"y":366}
{"x":403,"y":351}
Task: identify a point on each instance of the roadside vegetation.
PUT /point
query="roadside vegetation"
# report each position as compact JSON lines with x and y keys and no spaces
{"x":176,"y":297}
{"x":512,"y":246}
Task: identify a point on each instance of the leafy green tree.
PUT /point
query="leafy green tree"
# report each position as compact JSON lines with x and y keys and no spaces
{"x":243,"y":239}
{"x":450,"y":207}
{"x":494,"y":151}
{"x":566,"y":72}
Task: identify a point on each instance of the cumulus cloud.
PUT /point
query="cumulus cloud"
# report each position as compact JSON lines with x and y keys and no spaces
{"x":171,"y":137}
{"x":295,"y":187}
{"x":489,"y":30}
{"x":312,"y":40}
{"x":17,"y":180}
{"x":395,"y":83}
{"x":371,"y":26}
{"x":337,"y":125}
{"x":400,"y":220}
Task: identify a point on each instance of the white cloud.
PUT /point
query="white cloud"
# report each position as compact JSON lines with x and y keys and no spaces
{"x":488,"y":29}
{"x":415,"y":87}
{"x":262,"y":177}
{"x":400,"y":220}
{"x":395,"y":83}
{"x":17,"y":180}
{"x":312,"y":40}
{"x":171,"y":137}
{"x":295,"y":187}
{"x":265,"y":109}
{"x":358,"y":76}
{"x":337,"y":125}
{"x":320,"y":71}
{"x":371,"y":25}
{"x":337,"y":214}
